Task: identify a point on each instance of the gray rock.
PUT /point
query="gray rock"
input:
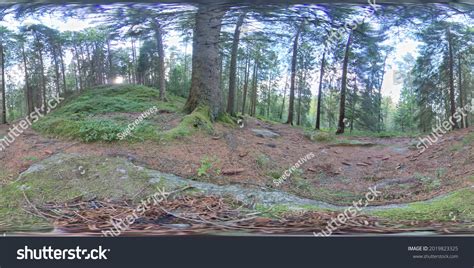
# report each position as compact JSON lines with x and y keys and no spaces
{"x":118,"y":185}
{"x":248,"y":196}
{"x":265,"y":133}
{"x":177,"y":226}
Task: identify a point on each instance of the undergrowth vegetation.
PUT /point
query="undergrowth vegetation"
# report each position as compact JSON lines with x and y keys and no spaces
{"x":455,"y":207}
{"x":92,"y":116}
{"x":102,"y":113}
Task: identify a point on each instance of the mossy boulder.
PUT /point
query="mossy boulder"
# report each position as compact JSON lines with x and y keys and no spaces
{"x":319,"y":136}
{"x":64,"y":177}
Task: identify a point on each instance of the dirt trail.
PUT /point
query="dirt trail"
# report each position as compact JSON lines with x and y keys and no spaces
{"x":337,"y":174}
{"x":209,"y":209}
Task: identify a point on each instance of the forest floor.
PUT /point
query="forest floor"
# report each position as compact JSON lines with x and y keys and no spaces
{"x":341,"y":172}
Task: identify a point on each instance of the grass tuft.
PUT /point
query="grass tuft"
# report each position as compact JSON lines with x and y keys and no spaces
{"x":82,"y":117}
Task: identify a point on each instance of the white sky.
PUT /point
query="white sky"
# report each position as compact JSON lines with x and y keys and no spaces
{"x":389,"y":86}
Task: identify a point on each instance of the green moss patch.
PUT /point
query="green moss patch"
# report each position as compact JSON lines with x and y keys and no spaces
{"x":227,"y":120}
{"x":458,"y":206}
{"x":199,"y":119}
{"x":86,"y":117}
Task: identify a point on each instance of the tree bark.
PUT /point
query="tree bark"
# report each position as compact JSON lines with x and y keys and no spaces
{"x":246,"y":82}
{"x":293,"y":77}
{"x":342,"y":104}
{"x":284,"y":98}
{"x":89,"y":72}
{"x":320,"y":89}
{"x":221,"y":82}
{"x":29,"y":95}
{"x":4,"y":100}
{"x":161,"y":60}
{"x":461,"y":94}
{"x":269,"y":99}
{"x":63,"y":69}
{"x":353,"y":104}
{"x":109,"y":59}
{"x":253,"y":100}
{"x":43,"y":77}
{"x":76,"y":52}
{"x":233,"y":65}
{"x":451,"y":79}
{"x":56,"y":73}
{"x":185,"y":74}
{"x":134,"y":61}
{"x":205,"y":89}
{"x":379,"y":97}
{"x":300,"y":88}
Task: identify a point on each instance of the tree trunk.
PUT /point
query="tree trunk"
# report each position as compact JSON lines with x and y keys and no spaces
{"x":56,"y":74}
{"x":76,"y":79}
{"x":300,"y":88}
{"x":205,"y":89}
{"x":293,"y":76}
{"x":89,"y":65}
{"x":109,"y":59}
{"x":246,"y":82}
{"x":63,"y":69}
{"x":82,"y":67}
{"x":233,"y":65}
{"x":79,"y":67}
{"x":134,"y":62}
{"x":461,"y":94}
{"x":269,"y":99}
{"x":353,"y":104}
{"x":161,"y":60}
{"x":253,"y":100}
{"x":379,"y":99}
{"x":342,"y":104}
{"x":185,"y":74}
{"x":221,"y":82}
{"x":284,"y":98}
{"x":43,"y":79}
{"x":29,"y":94}
{"x":451,"y":79}
{"x":320,"y":89}
{"x":3,"y":116}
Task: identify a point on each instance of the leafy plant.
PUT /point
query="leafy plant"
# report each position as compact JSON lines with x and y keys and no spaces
{"x":206,"y":168}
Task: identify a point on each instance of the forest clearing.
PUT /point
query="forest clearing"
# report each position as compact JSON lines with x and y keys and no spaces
{"x":237,"y":120}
